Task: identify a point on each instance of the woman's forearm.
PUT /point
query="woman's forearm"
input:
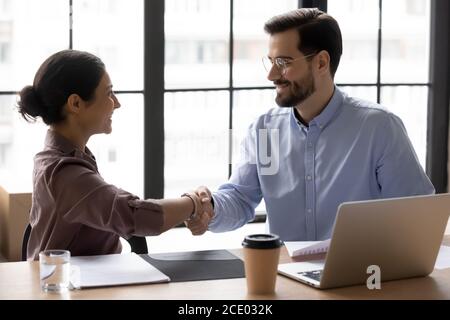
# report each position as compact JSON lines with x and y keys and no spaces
{"x":175,"y":211}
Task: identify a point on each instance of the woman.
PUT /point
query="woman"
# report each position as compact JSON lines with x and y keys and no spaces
{"x":73,"y":208}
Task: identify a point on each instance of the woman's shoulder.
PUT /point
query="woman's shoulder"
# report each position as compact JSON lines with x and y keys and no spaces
{"x":53,"y":162}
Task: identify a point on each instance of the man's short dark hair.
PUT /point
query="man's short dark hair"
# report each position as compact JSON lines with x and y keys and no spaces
{"x":317,"y":31}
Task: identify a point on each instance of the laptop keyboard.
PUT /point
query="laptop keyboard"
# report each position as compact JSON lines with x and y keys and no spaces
{"x":316,"y":274}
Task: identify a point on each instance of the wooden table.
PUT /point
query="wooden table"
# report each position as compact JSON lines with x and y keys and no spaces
{"x":20,"y":280}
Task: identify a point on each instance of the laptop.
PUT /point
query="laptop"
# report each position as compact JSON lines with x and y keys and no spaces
{"x":401,"y":236}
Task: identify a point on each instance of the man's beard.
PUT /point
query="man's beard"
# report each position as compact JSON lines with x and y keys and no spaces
{"x":299,"y":91}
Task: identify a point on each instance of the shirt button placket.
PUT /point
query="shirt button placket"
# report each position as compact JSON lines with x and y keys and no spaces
{"x":309,"y":177}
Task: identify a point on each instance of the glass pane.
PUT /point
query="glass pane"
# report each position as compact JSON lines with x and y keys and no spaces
{"x":30,"y":31}
{"x":361,"y":92}
{"x":250,"y":40}
{"x":120,"y":155}
{"x":196,"y":141}
{"x":19,"y":142}
{"x":113,"y":30}
{"x":410,"y":104}
{"x":249,"y":105}
{"x":197,"y":46}
{"x":405,"y":46}
{"x":358,"y":20}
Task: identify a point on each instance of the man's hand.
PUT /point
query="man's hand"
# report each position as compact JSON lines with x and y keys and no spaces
{"x":198,"y":224}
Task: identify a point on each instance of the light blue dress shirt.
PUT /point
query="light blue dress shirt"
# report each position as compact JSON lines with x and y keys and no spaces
{"x":353,"y":150}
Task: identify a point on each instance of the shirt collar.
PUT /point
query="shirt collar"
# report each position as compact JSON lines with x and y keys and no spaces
{"x":328,"y":113}
{"x":54,"y":140}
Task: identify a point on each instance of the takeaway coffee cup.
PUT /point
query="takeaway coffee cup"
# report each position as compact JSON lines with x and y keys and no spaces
{"x":261,"y":254}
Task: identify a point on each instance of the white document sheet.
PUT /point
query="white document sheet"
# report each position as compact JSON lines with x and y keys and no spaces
{"x":113,"y":270}
{"x":300,"y":248}
{"x":443,"y":259}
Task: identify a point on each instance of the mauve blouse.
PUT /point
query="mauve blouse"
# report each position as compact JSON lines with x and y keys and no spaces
{"x":74,"y":209}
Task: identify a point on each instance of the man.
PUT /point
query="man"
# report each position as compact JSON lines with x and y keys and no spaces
{"x":325,"y":147}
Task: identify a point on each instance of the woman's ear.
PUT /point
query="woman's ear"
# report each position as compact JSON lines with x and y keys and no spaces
{"x":74,"y":103}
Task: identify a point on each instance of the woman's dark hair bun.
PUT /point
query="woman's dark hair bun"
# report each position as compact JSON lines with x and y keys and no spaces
{"x":63,"y":73}
{"x":29,"y":104}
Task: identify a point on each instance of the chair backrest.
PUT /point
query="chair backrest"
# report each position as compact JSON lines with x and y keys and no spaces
{"x":138,"y":245}
{"x":26,"y":236}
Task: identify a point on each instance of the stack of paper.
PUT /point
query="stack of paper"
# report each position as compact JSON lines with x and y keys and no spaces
{"x":113,"y":270}
{"x":303,"y":248}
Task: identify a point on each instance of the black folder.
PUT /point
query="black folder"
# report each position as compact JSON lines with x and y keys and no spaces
{"x":197,"y":265}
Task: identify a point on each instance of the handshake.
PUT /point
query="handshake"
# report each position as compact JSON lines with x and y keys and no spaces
{"x":203,"y":211}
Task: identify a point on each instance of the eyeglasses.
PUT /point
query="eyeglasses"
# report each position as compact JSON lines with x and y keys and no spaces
{"x":281,"y":63}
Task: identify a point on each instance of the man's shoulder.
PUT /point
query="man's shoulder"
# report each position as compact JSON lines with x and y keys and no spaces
{"x":370,"y":111}
{"x":362,"y":105}
{"x":273,"y":115}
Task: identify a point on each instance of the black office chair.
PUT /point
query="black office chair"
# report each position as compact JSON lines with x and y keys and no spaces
{"x":138,"y":244}
{"x":26,"y":236}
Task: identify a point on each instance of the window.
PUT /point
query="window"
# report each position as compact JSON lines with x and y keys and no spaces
{"x":25,"y":42}
{"x":120,"y":46}
{"x":211,"y":99}
{"x":401,"y":69}
{"x":398,"y":77}
{"x":5,"y":6}
{"x":5,"y":55}
{"x":6,"y":116}
{"x":24,"y":30}
{"x":19,"y":142}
